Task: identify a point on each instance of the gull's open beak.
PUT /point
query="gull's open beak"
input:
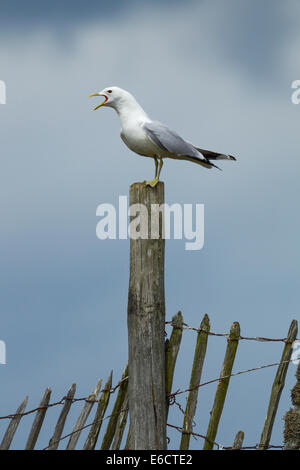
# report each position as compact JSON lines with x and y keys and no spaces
{"x":101,"y":104}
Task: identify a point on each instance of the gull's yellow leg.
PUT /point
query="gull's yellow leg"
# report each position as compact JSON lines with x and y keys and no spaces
{"x":156,"y":166}
{"x":160,"y":166}
{"x":154,"y":182}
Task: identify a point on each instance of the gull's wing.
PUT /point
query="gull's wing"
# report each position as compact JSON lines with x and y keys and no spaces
{"x":169,"y":141}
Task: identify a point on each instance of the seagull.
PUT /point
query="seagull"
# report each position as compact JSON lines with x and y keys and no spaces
{"x":151,"y":138}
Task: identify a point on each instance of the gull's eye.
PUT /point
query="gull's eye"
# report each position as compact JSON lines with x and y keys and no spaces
{"x":109,"y":91}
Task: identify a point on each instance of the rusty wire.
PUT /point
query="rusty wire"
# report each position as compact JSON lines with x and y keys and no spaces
{"x":220,"y":446}
{"x":185,"y":326}
{"x":171,"y":397}
{"x":180,"y":392}
{"x":62,"y":401}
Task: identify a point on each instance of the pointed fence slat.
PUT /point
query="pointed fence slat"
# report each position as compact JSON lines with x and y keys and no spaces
{"x":191,"y":405}
{"x":118,"y":406}
{"x":87,"y":408}
{"x":121,"y":423}
{"x":92,"y":438}
{"x":172,"y":348}
{"x":232,"y":344}
{"x":238,"y":441}
{"x":127,"y":444}
{"x":278,"y":385}
{"x":54,"y":441}
{"x":38,"y":421}
{"x":12,"y":427}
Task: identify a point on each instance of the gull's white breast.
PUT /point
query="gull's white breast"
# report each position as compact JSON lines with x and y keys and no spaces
{"x":136,"y":139}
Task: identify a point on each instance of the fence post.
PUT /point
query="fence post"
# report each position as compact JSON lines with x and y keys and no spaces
{"x":238,"y":440}
{"x":172,"y":349}
{"x":232,"y":344}
{"x":278,"y":385}
{"x":38,"y":420}
{"x":146,"y":321}
{"x":12,"y":427}
{"x":191,"y":404}
{"x":54,"y":441}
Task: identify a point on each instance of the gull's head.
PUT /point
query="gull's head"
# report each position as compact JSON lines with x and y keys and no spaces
{"x":113,"y":96}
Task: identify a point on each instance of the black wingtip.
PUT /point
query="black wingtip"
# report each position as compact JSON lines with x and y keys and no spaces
{"x":215,"y":166}
{"x":232,"y":157}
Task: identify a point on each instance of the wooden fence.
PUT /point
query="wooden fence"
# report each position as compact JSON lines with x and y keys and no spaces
{"x":115,"y":434}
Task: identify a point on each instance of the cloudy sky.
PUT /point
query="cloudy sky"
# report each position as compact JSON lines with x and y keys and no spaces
{"x":219,"y":73}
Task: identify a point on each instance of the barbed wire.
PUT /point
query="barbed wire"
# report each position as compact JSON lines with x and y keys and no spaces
{"x":222,"y":447}
{"x":178,"y":428}
{"x":185,"y":326}
{"x":65,"y":398}
{"x":180,"y":392}
{"x":112,"y":390}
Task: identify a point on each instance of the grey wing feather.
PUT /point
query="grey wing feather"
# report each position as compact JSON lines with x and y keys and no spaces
{"x":177,"y":147}
{"x":169,"y":140}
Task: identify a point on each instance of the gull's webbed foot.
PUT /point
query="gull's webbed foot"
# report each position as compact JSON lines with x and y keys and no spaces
{"x":152,"y":183}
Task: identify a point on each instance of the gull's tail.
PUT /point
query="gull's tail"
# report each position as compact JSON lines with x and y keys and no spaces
{"x":209,"y":155}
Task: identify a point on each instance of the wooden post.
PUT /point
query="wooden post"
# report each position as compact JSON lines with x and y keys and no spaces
{"x":146,"y":322}
{"x":92,"y":438}
{"x":117,"y":409}
{"x":191,"y":404}
{"x":12,"y":427}
{"x":54,"y":441}
{"x":215,"y":415}
{"x":238,"y":441}
{"x":84,"y":414}
{"x":38,"y":420}
{"x":278,"y":386}
{"x":172,"y":349}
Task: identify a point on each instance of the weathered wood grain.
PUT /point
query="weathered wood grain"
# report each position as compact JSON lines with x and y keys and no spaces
{"x":38,"y":421}
{"x":92,"y":438}
{"x":220,"y":396}
{"x":278,"y":385}
{"x":12,"y":427}
{"x":54,"y":441}
{"x":146,"y":326}
{"x":199,"y":356}
{"x":87,"y":408}
{"x":117,"y":408}
{"x":172,"y":349}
